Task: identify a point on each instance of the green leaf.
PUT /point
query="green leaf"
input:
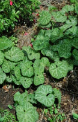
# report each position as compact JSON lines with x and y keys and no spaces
{"x":59,"y":17}
{"x":31,"y":53}
{"x":65,"y":27}
{"x":50,"y":53}
{"x":14,"y":54}
{"x":51,"y":8}
{"x":76,"y":8}
{"x":67,"y":8}
{"x":72,"y":20}
{"x":64,"y":48}
{"x":44,"y":95}
{"x":41,"y":42}
{"x":17,"y":82}
{"x":57,"y":95}
{"x":75,"y":62}
{"x":32,"y":99}
{"x":38,"y":79}
{"x":26,"y":68}
{"x":45,"y":62}
{"x":17,"y":72}
{"x":5,"y":66}
{"x":1,"y":57}
{"x":5,"y":43}
{"x":8,"y":79}
{"x":75,"y":54}
{"x":26,"y":113}
{"x":73,"y":1}
{"x":73,"y":31}
{"x":21,"y":98}
{"x":45,"y":17}
{"x":26,"y":82}
{"x":75,"y":43}
{"x":48,"y":33}
{"x":2,"y":76}
{"x":12,"y":65}
{"x":60,"y":69}
{"x":10,"y":107}
{"x":46,"y":26}
{"x":38,"y":68}
{"x":75,"y":116}
{"x":56,"y":34}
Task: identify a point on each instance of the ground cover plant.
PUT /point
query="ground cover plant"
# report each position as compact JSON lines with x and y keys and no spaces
{"x":6,"y":116}
{"x":55,"y":50}
{"x":12,"y":11}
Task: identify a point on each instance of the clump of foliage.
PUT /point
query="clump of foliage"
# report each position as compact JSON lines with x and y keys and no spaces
{"x":26,"y":67}
{"x":54,"y":48}
{"x":55,"y":114}
{"x":59,"y":44}
{"x":6,"y":116}
{"x":12,"y":10}
{"x":44,"y":94}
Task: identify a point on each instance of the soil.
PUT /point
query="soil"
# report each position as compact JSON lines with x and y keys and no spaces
{"x":68,"y":85}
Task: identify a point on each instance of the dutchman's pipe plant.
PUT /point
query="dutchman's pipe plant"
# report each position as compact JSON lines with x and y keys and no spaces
{"x":54,"y":47}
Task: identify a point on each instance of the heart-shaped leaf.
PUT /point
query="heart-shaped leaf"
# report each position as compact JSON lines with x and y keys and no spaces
{"x":60,"y":69}
{"x":26,"y":68}
{"x":38,"y":79}
{"x":26,"y":82}
{"x":26,"y":113}
{"x":44,"y":95}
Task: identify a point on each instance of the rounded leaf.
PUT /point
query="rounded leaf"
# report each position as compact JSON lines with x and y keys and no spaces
{"x":41,"y":42}
{"x":38,"y":68}
{"x":59,"y":17}
{"x":45,"y":17}
{"x":60,"y":69}
{"x":6,"y":66}
{"x":45,"y":61}
{"x":38,"y":79}
{"x":5,"y":43}
{"x":14,"y":54}
{"x":26,"y":82}
{"x":26,"y":113}
{"x":44,"y":95}
{"x":27,"y":69}
{"x":64,"y":48}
